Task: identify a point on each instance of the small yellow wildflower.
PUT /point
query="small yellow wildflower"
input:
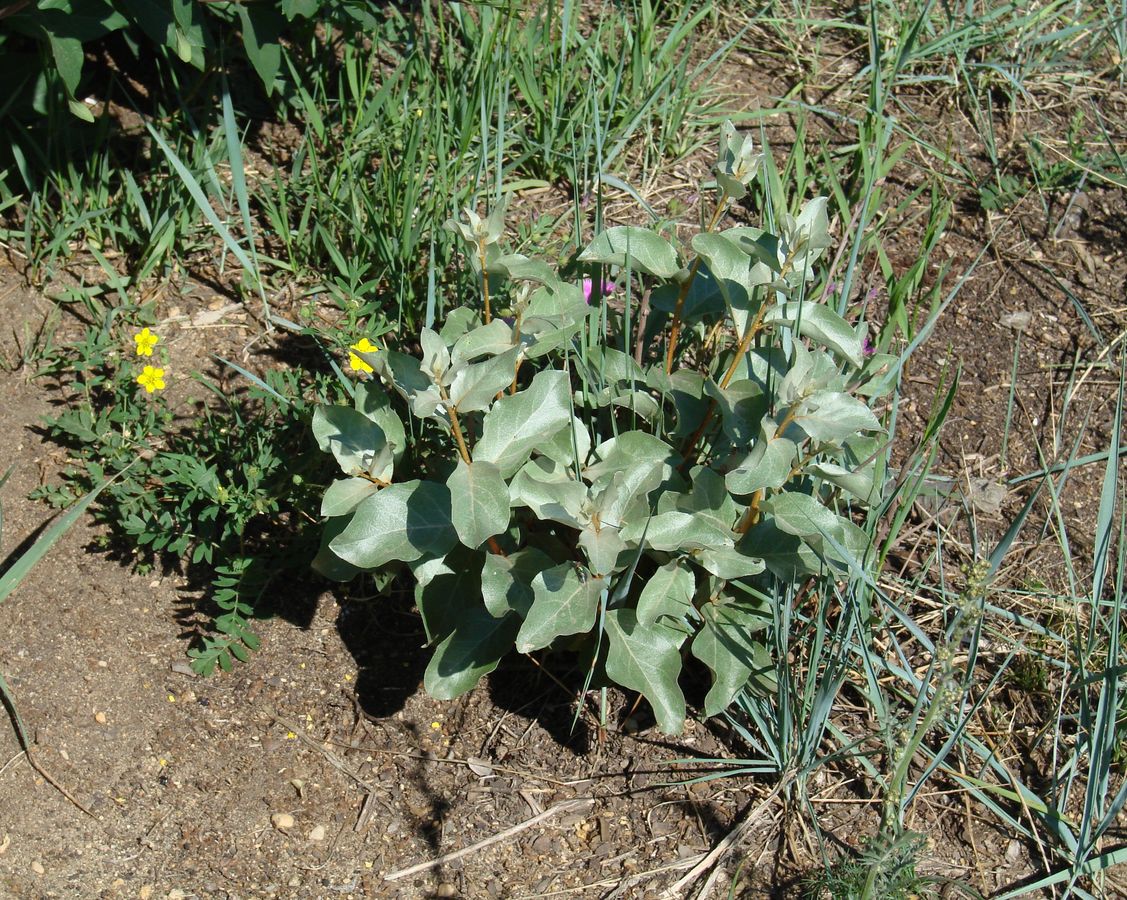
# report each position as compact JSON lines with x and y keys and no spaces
{"x":363,"y":346}
{"x":146,"y":340}
{"x":151,"y":379}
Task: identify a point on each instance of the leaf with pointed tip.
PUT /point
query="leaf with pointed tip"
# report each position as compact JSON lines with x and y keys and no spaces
{"x":725,"y":644}
{"x":710,"y":499}
{"x":473,"y":649}
{"x":669,"y":592}
{"x":859,"y":483}
{"x":479,"y":501}
{"x":767,"y":465}
{"x":838,"y":541}
{"x":353,"y":439}
{"x":485,"y":340}
{"x":834,"y":416}
{"x":550,"y":491}
{"x":742,"y":406}
{"x":676,"y":530}
{"x":643,"y":460}
{"x":372,"y":400}
{"x":345,"y":494}
{"x":735,"y":274}
{"x":731,"y":563}
{"x":602,"y":549}
{"x":823,"y":325}
{"x":647,"y":660}
{"x":565,"y":601}
{"x":517,"y":425}
{"x":404,"y":521}
{"x":475,"y":385}
{"x":506,"y":581}
{"x":786,"y":555}
{"x":633,"y":247}
{"x":436,"y":355}
{"x":521,"y":268}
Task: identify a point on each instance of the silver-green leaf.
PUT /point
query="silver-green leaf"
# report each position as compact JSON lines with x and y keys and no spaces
{"x":638,"y":248}
{"x":479,"y":502}
{"x":517,"y":425}
{"x":404,"y":521}
{"x":648,"y":660}
{"x":565,"y":601}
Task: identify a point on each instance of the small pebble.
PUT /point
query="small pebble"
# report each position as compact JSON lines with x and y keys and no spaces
{"x":446,"y":890}
{"x":282,"y":821}
{"x":318,"y":833}
{"x":100,"y":718}
{"x":146,"y":892}
{"x":37,"y":867}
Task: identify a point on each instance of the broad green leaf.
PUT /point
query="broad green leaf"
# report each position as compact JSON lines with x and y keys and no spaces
{"x":486,"y":340}
{"x":262,"y":28}
{"x":479,"y":502}
{"x":471,"y":650}
{"x":668,"y":592}
{"x":402,"y":371}
{"x":725,"y":644}
{"x":735,"y":274}
{"x":357,"y":443}
{"x":640,"y":403}
{"x":476,"y":385}
{"x":345,"y":494}
{"x":517,"y":425}
{"x":372,"y":400}
{"x":436,"y":355}
{"x":68,"y":56}
{"x":710,"y":499}
{"x":506,"y":581}
{"x":636,"y":248}
{"x":859,"y":483}
{"x":602,"y":548}
{"x":404,"y":521}
{"x":786,"y":555}
{"x":643,"y":460}
{"x":834,"y":416}
{"x":647,"y":660}
{"x":821,"y":324}
{"x":800,"y":514}
{"x":731,"y":563}
{"x":767,"y":465}
{"x":326,"y":563}
{"x":675,"y":530}
{"x":565,"y":601}
{"x":742,"y":406}
{"x":551,"y":491}
{"x":459,"y":322}
{"x":522,"y":268}
{"x":838,"y":541}
{"x":446,"y":588}
{"x":569,"y":444}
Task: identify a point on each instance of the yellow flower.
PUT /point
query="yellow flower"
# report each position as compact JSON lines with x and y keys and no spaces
{"x":364,"y":346}
{"x":146,"y":340}
{"x":151,"y":379}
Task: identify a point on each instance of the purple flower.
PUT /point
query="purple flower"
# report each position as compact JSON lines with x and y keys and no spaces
{"x":593,"y":292}
{"x":867,"y":347}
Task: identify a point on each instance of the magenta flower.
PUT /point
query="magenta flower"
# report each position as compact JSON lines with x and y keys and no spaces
{"x":592,"y":291}
{"x":867,"y":347}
